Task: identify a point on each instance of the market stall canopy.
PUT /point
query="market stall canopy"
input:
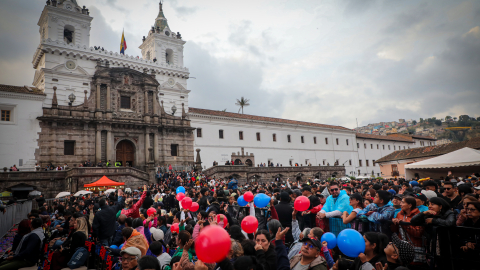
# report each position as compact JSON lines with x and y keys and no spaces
{"x":459,"y":158}
{"x":104,"y":182}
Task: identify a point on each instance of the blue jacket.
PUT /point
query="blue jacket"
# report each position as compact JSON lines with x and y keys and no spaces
{"x":233,"y":184}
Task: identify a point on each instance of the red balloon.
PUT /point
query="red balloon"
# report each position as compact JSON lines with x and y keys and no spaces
{"x":194,"y":207}
{"x":248,"y":196}
{"x":180,"y":196}
{"x":175,"y":228}
{"x":151,"y":211}
{"x":225,"y":220}
{"x":301,"y":203}
{"x":186,"y":203}
{"x":212,"y":244}
{"x":249,"y":224}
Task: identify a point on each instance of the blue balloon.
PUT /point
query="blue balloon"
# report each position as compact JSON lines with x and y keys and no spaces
{"x":261,"y":200}
{"x":241,"y":201}
{"x":330,"y":239}
{"x":351,"y":243}
{"x":120,"y":246}
{"x":114,"y":246}
{"x":180,"y":190}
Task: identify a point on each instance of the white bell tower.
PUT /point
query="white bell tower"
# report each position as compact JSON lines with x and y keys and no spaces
{"x":165,"y":47}
{"x":64,"y":29}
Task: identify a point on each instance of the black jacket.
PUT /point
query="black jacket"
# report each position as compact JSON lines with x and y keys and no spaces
{"x":267,"y":259}
{"x":447,"y":219}
{"x":104,"y":221}
{"x":30,"y":250}
{"x":284,"y":211}
{"x":203,"y":203}
{"x":169,"y":202}
{"x":147,"y":203}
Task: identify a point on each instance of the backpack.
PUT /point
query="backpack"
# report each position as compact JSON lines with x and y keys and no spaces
{"x":79,"y":258}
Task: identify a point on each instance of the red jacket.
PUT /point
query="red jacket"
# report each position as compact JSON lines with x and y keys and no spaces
{"x":133,"y":212}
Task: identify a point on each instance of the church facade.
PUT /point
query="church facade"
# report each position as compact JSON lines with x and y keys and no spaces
{"x":91,"y":104}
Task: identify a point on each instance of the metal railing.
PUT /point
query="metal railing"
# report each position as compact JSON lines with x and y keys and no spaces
{"x":13,"y":214}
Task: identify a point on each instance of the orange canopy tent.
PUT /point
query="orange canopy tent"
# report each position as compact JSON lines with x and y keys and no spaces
{"x":104,"y":182}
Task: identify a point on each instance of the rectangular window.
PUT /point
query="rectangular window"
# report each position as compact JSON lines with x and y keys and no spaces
{"x":360,"y":163}
{"x":125,"y":102}
{"x":371,"y":146}
{"x":394,"y":147}
{"x":394,"y":168}
{"x":373,"y":162}
{"x":174,"y":150}
{"x":274,"y":137}
{"x":358,"y":145}
{"x":258,"y":136}
{"x":404,"y":147}
{"x":314,"y":140}
{"x":389,"y":147}
{"x":383,"y":146}
{"x":301,"y":139}
{"x":240,"y":135}
{"x":365,"y":145}
{"x":377,"y":147}
{"x":69,"y":148}
{"x":6,"y":115}
{"x":199,"y":132}
{"x":289,"y":139}
{"x":350,"y":162}
{"x":324,"y":162}
{"x":326,"y":140}
{"x":367,"y":163}
{"x":336,"y":140}
{"x":220,"y":134}
{"x":346,"y":141}
{"x":337,"y":162}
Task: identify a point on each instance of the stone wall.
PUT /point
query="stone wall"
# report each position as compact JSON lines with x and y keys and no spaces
{"x":269,"y":174}
{"x":50,"y":183}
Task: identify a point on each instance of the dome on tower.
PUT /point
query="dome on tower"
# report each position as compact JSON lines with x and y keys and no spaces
{"x":161,"y":21}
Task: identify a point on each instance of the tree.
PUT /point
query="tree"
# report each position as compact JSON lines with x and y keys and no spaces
{"x":448,"y":117}
{"x":414,"y":122}
{"x":438,"y":122}
{"x":455,"y":119}
{"x":421,"y":120}
{"x":224,"y":110}
{"x":242,"y":102}
{"x":464,"y":118}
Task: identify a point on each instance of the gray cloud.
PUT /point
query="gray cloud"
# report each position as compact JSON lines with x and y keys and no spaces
{"x":182,"y":11}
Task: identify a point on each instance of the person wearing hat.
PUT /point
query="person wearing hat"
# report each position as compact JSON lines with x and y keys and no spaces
{"x":309,"y":257}
{"x":398,"y":253}
{"x":130,"y":257}
{"x":421,"y":200}
{"x":477,"y":189}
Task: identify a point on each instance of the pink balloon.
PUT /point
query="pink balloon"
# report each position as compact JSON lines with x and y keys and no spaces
{"x":212,"y":244}
{"x":194,"y":207}
{"x":151,"y":211}
{"x":186,"y":203}
{"x":175,"y":228}
{"x":248,"y":196}
{"x":225,"y":221}
{"x":180,"y":196}
{"x":301,"y":203}
{"x":249,"y":224}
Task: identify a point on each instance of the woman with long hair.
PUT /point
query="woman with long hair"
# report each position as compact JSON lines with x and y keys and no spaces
{"x":74,"y":241}
{"x":375,"y":244}
{"x":264,"y":251}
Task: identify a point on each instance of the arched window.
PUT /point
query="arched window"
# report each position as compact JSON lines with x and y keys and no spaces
{"x":147,"y":56}
{"x":69,"y":34}
{"x":169,"y":56}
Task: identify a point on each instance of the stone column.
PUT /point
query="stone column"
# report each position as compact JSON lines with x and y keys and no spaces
{"x":109,"y":154}
{"x":155,"y":148}
{"x":146,"y":102}
{"x":98,"y":146}
{"x":109,"y":98}
{"x":147,"y":146}
{"x":155,"y":111}
{"x":98,"y":96}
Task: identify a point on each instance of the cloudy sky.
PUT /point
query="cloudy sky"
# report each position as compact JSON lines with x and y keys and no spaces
{"x":325,"y":61}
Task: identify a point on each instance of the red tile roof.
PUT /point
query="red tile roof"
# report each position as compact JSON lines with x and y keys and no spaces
{"x":430,"y":151}
{"x":21,"y":89}
{"x":261,"y":118}
{"x":381,"y":137}
{"x":423,"y":137}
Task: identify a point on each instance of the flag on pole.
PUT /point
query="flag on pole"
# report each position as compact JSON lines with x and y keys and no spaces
{"x":123,"y":44}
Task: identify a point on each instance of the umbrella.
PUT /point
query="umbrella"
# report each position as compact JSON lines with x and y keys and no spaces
{"x":62,"y":194}
{"x":35,"y":193}
{"x":81,"y":193}
{"x":110,"y":190}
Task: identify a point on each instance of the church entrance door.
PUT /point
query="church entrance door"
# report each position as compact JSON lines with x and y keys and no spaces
{"x":125,"y":153}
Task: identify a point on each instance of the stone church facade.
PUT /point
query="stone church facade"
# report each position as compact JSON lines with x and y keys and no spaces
{"x":122,"y":120}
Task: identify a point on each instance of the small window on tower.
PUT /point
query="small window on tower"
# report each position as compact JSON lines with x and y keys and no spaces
{"x":68,"y":34}
{"x":125,"y":102}
{"x":169,"y":56}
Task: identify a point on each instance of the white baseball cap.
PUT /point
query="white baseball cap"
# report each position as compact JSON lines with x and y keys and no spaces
{"x":132,"y":251}
{"x":157,"y":234}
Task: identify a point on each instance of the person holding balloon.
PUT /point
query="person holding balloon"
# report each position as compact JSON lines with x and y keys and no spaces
{"x":375,"y":243}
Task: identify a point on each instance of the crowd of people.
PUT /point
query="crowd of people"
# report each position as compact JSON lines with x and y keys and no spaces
{"x":149,"y":228}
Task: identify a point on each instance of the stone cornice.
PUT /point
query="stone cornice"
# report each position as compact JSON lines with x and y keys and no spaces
{"x":211,"y":117}
{"x":22,"y":96}
{"x":61,"y":73}
{"x":49,"y":46}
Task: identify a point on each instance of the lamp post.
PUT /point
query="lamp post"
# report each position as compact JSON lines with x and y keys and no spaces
{"x":71,"y":97}
{"x":174,"y":109}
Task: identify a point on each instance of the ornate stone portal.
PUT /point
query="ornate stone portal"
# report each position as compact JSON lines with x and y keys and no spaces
{"x":121,"y":121}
